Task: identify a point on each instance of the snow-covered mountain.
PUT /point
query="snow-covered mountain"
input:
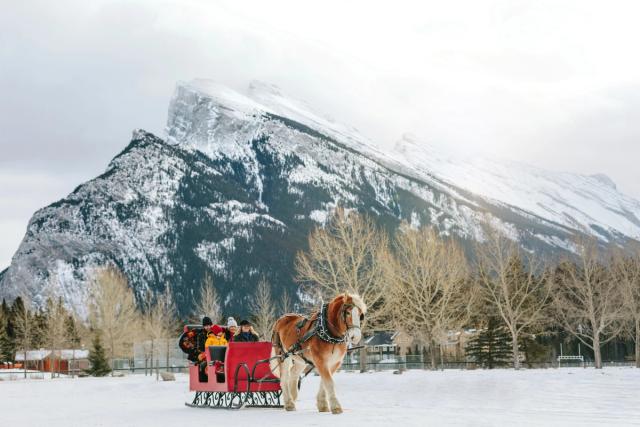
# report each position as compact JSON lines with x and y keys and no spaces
{"x":241,"y":179}
{"x":590,"y":204}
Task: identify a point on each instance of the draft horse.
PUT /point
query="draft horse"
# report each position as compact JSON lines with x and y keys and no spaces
{"x":319,"y":340}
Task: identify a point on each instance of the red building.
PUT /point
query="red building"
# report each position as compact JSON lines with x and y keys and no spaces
{"x":62,"y":361}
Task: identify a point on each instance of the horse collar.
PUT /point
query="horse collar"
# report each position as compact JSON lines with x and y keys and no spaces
{"x":323,"y":331}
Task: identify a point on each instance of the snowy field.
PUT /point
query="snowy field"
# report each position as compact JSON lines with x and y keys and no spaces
{"x":558,"y":397}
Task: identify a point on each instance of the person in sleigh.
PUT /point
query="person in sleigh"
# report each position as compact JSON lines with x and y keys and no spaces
{"x":216,"y":337}
{"x":192,"y":342}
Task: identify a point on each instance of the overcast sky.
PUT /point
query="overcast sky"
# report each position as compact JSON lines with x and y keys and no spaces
{"x":555,"y":84}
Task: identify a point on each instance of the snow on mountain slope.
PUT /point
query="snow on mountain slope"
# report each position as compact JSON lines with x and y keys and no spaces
{"x":586,"y":203}
{"x":589,"y":204}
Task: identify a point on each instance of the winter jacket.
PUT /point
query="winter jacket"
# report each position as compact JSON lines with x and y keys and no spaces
{"x":215,"y":340}
{"x":246,"y":337}
{"x":192,"y":342}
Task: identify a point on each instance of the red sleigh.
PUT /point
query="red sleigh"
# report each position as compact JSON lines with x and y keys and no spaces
{"x":243,"y":378}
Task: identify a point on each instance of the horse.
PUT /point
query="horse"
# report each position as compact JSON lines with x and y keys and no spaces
{"x":320,"y":341}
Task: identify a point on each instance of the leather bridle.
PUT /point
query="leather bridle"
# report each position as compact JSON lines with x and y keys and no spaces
{"x":346,"y":312}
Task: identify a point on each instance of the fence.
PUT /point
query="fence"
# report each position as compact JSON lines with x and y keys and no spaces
{"x":375,"y":362}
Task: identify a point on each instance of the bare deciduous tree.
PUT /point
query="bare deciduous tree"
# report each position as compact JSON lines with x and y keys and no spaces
{"x":113,"y":311}
{"x":518,"y":295}
{"x":208,"y":301}
{"x":345,"y":256}
{"x":428,"y":293}
{"x":626,"y":270}
{"x":159,"y":325}
{"x":286,"y":305}
{"x":263,"y":310}
{"x":168,"y":322}
{"x":588,"y":300}
{"x":56,"y":331}
{"x":73,"y":337}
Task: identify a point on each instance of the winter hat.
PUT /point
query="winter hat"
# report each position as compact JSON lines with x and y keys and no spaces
{"x":245,"y":323}
{"x":231,"y":322}
{"x":216,"y":330}
{"x":206,"y":321}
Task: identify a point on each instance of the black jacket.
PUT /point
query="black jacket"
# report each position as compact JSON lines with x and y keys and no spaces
{"x":246,"y":337}
{"x":192,"y":343}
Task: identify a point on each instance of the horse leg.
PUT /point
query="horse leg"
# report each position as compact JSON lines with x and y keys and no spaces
{"x":285,"y":374}
{"x":321,"y":399}
{"x":296,"y":370}
{"x":329,"y":386}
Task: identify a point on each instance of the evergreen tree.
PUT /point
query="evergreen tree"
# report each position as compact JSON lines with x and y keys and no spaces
{"x":11,"y":326}
{"x":491,"y":347}
{"x":534,"y":351}
{"x":6,"y":344}
{"x":98,"y":359}
{"x":72,"y":335}
{"x":40,"y":325}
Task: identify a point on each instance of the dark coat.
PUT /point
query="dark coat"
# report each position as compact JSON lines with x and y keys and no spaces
{"x":246,"y":337}
{"x":192,"y":343}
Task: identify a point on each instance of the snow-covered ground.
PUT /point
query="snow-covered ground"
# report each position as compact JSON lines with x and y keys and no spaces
{"x":558,"y":397}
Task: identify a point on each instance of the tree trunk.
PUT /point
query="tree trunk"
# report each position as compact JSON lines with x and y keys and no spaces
{"x":597,"y":354}
{"x":514,"y":349}
{"x":432,"y":353}
{"x":637,"y":343}
{"x":166,"y":345}
{"x":363,"y":360}
{"x":112,"y":356}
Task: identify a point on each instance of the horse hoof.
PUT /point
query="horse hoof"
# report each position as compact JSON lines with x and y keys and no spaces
{"x":323,"y":408}
{"x":290,"y":407}
{"x":337,"y":410}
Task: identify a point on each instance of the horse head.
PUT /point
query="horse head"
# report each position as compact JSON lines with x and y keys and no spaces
{"x":352,"y":310}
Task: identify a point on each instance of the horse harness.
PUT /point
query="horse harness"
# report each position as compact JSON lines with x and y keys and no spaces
{"x":320,"y":328}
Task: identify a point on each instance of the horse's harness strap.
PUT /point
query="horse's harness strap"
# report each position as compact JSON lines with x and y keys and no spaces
{"x":296,"y":349}
{"x":319,"y":329}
